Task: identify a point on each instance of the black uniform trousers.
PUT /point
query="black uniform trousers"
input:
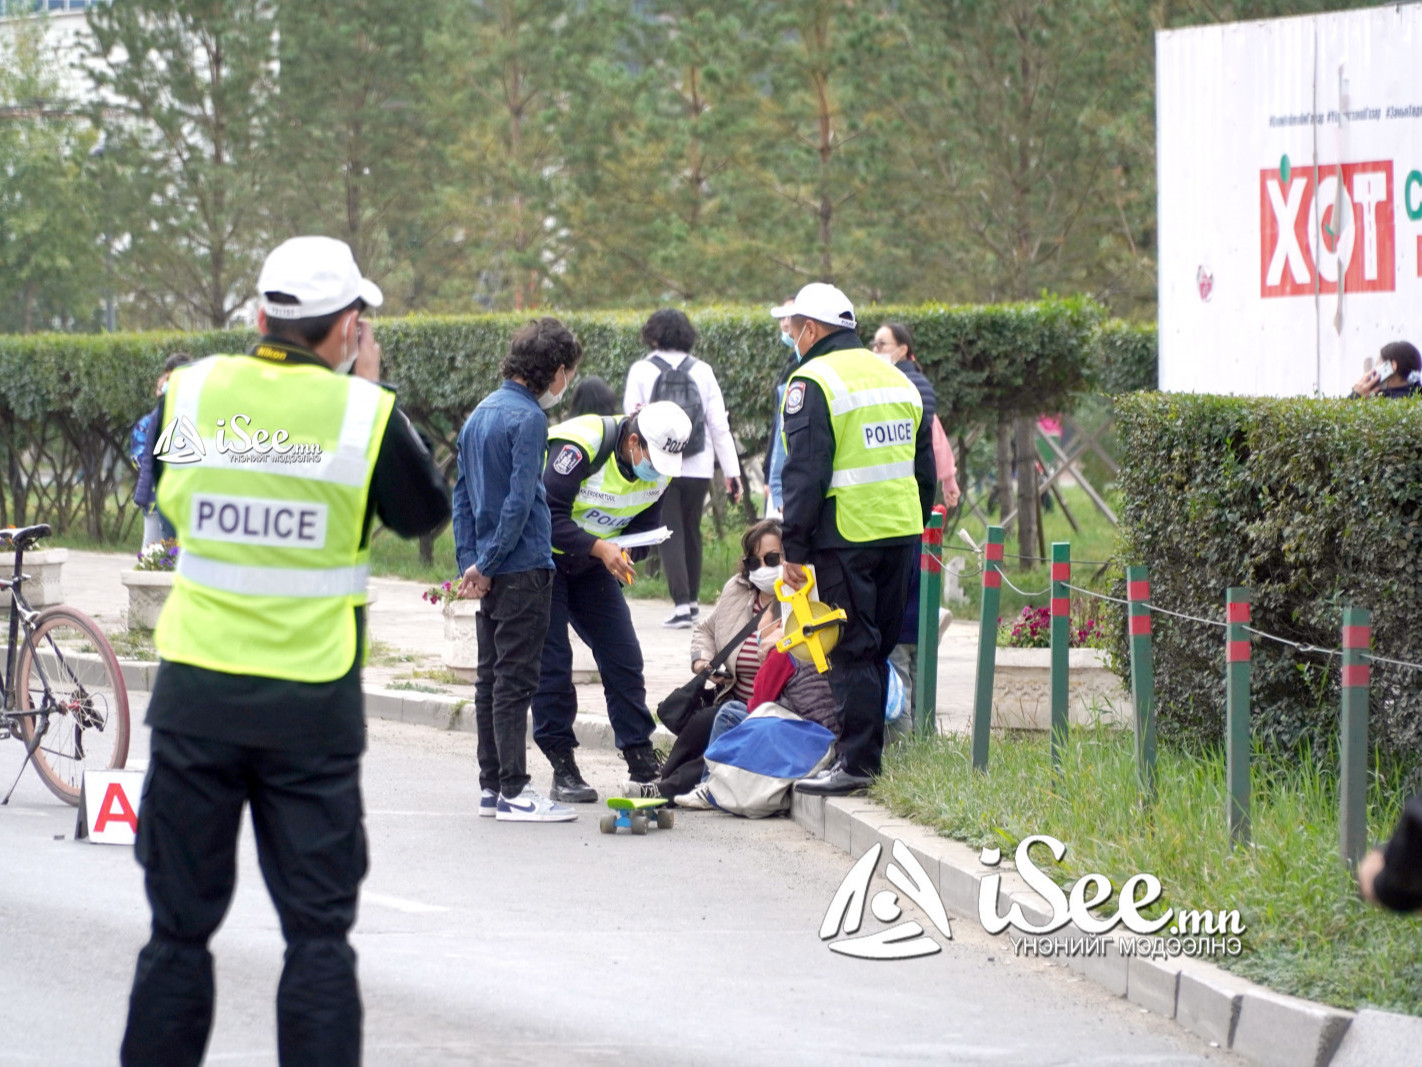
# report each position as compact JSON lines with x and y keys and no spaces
{"x":307,"y":817}
{"x":683,"y":504}
{"x":871,"y":583}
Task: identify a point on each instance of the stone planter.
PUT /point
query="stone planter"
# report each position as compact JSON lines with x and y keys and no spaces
{"x":1022,"y":690}
{"x":43,"y":589}
{"x":461,"y":647}
{"x":147,"y":592}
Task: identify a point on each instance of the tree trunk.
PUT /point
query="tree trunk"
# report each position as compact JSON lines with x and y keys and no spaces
{"x":1027,"y":534}
{"x":1004,"y":468}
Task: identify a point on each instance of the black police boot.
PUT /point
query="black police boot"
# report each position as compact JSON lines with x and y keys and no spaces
{"x":642,"y":763}
{"x":568,"y":784}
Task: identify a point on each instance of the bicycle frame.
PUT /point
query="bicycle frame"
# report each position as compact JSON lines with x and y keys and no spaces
{"x":20,"y":612}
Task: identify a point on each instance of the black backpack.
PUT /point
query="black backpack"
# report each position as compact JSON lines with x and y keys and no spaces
{"x":676,"y":384}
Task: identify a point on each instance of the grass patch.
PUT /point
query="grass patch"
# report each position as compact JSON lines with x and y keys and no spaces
{"x":442,"y":675}
{"x":133,"y":644}
{"x":383,"y":654}
{"x":417,"y":687}
{"x":1308,"y":933}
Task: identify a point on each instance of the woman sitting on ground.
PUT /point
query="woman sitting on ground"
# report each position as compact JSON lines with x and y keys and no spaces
{"x":747,"y":591}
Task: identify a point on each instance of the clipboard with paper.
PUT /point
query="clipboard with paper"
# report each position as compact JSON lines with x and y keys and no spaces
{"x":645,"y":539}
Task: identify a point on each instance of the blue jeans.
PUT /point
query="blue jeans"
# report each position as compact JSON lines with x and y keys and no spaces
{"x":731,"y":713}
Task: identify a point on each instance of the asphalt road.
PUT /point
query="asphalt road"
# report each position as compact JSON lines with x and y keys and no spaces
{"x":483,"y":942}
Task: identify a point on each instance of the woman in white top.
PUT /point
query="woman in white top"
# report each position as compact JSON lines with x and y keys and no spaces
{"x":670,"y":337}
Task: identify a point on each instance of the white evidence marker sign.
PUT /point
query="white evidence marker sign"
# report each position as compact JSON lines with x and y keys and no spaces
{"x":108,"y":807}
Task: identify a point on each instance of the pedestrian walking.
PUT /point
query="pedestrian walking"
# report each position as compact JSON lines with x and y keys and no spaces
{"x":857,"y":456}
{"x":502,"y":536}
{"x":142,"y":438}
{"x":670,"y":372}
{"x":257,"y":701}
{"x":605,"y":477}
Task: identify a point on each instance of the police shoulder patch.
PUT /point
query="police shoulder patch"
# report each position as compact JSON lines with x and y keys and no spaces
{"x":794,"y":397}
{"x":568,"y":459}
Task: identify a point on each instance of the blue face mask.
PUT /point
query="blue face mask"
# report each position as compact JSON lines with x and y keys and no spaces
{"x":786,"y":339}
{"x":646,"y":471}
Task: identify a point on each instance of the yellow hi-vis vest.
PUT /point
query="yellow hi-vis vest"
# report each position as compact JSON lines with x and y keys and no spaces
{"x":266,"y":476}
{"x":874,"y":412}
{"x":606,"y":502}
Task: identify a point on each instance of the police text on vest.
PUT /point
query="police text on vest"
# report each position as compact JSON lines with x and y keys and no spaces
{"x":253,"y":521}
{"x":885,"y":434}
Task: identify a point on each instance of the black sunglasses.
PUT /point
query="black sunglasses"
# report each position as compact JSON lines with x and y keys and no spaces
{"x":772,"y":559}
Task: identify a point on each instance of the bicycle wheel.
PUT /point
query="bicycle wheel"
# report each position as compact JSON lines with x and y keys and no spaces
{"x":68,"y":669}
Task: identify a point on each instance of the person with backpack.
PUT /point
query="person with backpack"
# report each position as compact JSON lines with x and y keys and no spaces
{"x":140,"y":454}
{"x":604,"y":477}
{"x":670,"y":372}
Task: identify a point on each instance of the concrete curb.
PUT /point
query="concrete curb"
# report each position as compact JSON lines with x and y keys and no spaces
{"x":424,"y":709}
{"x":1234,"y":1013}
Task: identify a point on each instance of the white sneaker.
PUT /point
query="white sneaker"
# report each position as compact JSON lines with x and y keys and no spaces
{"x":680,"y":619}
{"x":639,"y":790}
{"x":488,"y":803}
{"x":699,"y":799}
{"x":532,"y":806}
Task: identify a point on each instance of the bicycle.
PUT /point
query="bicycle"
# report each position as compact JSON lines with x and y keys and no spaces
{"x":63,"y":694}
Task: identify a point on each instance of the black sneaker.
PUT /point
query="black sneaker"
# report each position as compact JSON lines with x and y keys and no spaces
{"x":642,"y":763}
{"x":838,"y":783}
{"x":568,"y":783}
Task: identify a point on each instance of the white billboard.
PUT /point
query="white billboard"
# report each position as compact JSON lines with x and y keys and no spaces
{"x":1289,"y":157}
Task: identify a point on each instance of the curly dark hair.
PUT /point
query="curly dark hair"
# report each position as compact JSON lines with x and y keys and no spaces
{"x":669,"y":330}
{"x":537,"y":350}
{"x":750,"y":540}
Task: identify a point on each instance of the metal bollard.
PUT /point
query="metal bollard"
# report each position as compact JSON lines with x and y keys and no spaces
{"x":1142,"y":677}
{"x":1237,"y":679}
{"x":1353,"y":737}
{"x":987,"y":645}
{"x":930,"y":595}
{"x":1061,"y":644}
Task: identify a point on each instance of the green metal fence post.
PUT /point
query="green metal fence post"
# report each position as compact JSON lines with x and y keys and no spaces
{"x":1237,"y":679}
{"x":1353,"y":742}
{"x":930,"y":596}
{"x":1142,"y":677}
{"x":1061,"y":643}
{"x":987,"y":645}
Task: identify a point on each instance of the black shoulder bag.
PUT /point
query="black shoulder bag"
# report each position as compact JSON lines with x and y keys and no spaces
{"x":681,"y":704}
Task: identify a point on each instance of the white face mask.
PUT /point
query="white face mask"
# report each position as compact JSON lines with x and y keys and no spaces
{"x":352,"y":351}
{"x":549,"y":397}
{"x":763,"y":578}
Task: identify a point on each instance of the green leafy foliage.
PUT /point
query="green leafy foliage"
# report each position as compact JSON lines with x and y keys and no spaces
{"x":67,"y":401}
{"x":1314,"y":505}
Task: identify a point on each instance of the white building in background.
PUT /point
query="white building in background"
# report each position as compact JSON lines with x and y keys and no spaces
{"x":66,"y":32}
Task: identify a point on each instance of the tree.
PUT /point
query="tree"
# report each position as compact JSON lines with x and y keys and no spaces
{"x":51,"y":262}
{"x":352,"y":132}
{"x":189,"y":85}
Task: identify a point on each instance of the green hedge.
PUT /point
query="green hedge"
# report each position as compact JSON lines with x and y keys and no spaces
{"x":1125,"y":360}
{"x":80,"y":394}
{"x":1312,"y":504}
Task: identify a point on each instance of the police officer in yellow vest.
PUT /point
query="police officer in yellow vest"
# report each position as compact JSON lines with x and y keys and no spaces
{"x":272,"y":466}
{"x":604,"y":478}
{"x":857,"y":451}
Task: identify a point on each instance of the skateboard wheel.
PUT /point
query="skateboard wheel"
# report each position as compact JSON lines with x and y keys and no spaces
{"x":608,"y":824}
{"x":665,"y":820}
{"x":639,"y":824}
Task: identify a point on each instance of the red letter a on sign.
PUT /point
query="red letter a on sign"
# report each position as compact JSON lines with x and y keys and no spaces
{"x":114,"y":798}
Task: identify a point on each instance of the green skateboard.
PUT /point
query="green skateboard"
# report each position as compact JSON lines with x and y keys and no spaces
{"x":636,"y":814}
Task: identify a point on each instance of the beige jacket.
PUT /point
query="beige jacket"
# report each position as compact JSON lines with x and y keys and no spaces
{"x":727,"y":618}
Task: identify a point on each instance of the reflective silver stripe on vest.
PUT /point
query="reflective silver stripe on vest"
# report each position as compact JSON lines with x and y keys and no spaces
{"x":272,"y":581}
{"x":863,"y":398}
{"x":884,"y":472}
{"x":346,"y":466}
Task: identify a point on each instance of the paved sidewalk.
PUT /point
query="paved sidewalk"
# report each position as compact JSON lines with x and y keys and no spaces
{"x":410,"y":627}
